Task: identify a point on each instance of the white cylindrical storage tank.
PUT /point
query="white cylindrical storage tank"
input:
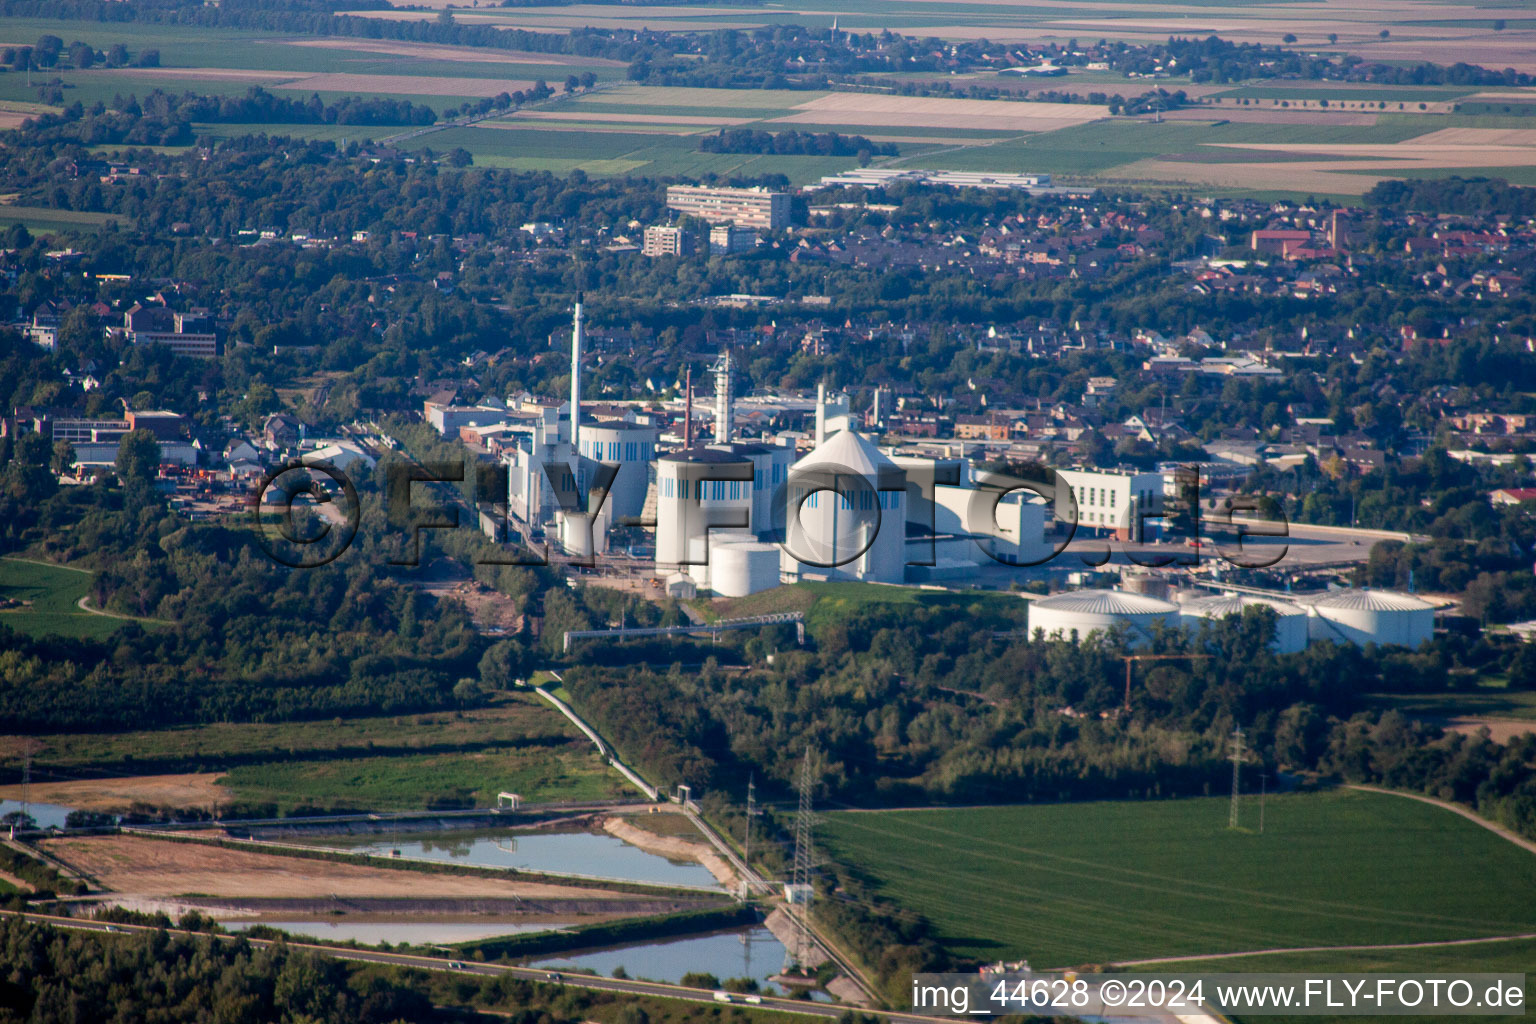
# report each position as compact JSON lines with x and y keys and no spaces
{"x":1290,"y":622}
{"x":1089,"y":611}
{"x":1373,"y":617}
{"x":633,"y":447}
{"x":845,"y":514}
{"x":698,"y":491}
{"x":741,"y":567}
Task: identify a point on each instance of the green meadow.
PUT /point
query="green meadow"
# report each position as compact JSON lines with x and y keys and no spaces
{"x":1102,"y":882}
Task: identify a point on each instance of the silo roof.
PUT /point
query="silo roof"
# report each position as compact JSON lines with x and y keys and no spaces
{"x":1105,"y":602}
{"x":1373,"y":601}
{"x":1221,"y":605}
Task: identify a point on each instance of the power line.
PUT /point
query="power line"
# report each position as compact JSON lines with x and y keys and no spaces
{"x":800,"y":885}
{"x":746,"y":854}
{"x":1237,"y":762}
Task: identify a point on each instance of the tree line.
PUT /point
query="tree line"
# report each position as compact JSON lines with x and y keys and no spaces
{"x":748,"y":140}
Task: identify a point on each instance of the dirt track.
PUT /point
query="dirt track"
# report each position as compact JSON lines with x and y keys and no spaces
{"x":191,"y":790}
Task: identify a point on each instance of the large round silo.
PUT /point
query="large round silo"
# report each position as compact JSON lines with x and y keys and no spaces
{"x":741,"y":567}
{"x":1372,"y":617}
{"x":845,"y":511}
{"x":1290,"y":619}
{"x":700,"y":492}
{"x":1089,"y":611}
{"x":633,"y":447}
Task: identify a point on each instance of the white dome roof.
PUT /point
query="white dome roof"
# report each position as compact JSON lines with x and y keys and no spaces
{"x":849,"y":450}
{"x":1373,"y":601}
{"x":1105,"y":602}
{"x":1219,"y":606}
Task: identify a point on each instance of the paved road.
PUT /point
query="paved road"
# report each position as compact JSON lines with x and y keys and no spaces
{"x":627,"y":986}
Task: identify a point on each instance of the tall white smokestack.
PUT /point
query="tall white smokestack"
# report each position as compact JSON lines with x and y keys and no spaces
{"x":576,"y":379}
{"x":821,"y":413}
{"x":725,"y":399}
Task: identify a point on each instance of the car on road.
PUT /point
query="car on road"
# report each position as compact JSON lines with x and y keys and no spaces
{"x":554,"y":976}
{"x":722,"y":997}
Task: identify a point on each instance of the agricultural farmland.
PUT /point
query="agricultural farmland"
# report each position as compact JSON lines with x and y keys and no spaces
{"x":46,"y":598}
{"x":1091,"y":883}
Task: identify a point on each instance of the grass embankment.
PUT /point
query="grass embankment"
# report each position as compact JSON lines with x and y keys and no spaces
{"x":825,"y":604}
{"x":1099,"y":882}
{"x":407,"y":762}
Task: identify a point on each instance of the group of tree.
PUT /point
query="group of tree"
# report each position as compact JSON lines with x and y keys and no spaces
{"x":797,"y":143}
{"x":50,"y":54}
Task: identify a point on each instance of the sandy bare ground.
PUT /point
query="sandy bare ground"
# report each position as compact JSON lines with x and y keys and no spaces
{"x":1500,"y":730}
{"x":674,"y":848}
{"x":1000,"y":122}
{"x":935,"y":106}
{"x":466,"y":54}
{"x":1327,"y":177}
{"x":1327,"y":173}
{"x":12,"y":119}
{"x":938,"y":112}
{"x":157,"y":869}
{"x":191,"y":790}
{"x":407,"y":85}
{"x":1478,"y":137}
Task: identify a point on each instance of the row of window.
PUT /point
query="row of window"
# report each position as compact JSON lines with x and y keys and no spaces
{"x":627,"y":451}
{"x":701,"y":490}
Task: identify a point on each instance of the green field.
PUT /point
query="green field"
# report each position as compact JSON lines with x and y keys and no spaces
{"x":618,"y":152}
{"x":1483,"y":702}
{"x":43,"y":220}
{"x":825,"y":604}
{"x":1491,"y":957}
{"x":514,"y":718}
{"x":385,"y":762}
{"x":1102,"y":145}
{"x":1101,"y":882}
{"x":51,"y":592}
{"x":409,"y":782}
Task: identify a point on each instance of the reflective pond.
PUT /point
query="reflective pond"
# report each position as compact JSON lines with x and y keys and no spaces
{"x":46,"y":815}
{"x":585,"y":854}
{"x":745,"y":953}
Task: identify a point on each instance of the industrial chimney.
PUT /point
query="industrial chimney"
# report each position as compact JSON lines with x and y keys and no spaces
{"x":576,"y":379}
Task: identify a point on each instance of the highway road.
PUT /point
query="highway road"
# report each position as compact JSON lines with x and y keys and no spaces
{"x":622,"y":985}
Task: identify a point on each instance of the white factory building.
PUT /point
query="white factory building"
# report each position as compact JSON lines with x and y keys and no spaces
{"x":846,"y":514}
{"x":973,"y":520}
{"x":1107,"y":499}
{"x":632,"y":447}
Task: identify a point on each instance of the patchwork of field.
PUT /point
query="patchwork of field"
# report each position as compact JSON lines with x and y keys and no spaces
{"x":1443,"y":32}
{"x":1104,"y":882}
{"x":1350,"y":168}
